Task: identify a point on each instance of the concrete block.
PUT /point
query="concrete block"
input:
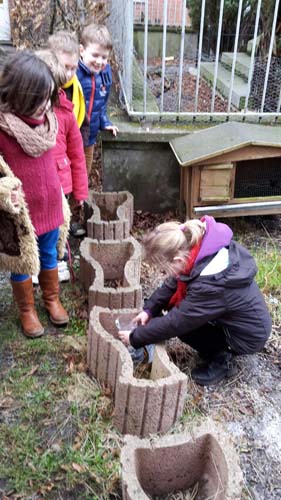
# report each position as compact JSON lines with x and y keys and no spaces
{"x":175,"y":463}
{"x":173,"y":41}
{"x":104,"y":264}
{"x":141,"y":406}
{"x":109,"y":215}
{"x":242,"y":66}
{"x":240,"y":87}
{"x":149,"y":170}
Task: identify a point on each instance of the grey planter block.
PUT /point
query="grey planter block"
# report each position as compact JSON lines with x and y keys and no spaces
{"x":174,"y":463}
{"x":109,"y":215}
{"x":141,"y":406}
{"x":111,"y":260}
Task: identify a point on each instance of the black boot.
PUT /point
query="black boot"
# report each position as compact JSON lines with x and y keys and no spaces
{"x":221,"y":365}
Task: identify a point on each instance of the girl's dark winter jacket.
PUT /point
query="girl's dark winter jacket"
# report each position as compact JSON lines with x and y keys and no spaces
{"x":103,"y":81}
{"x":230,"y":297}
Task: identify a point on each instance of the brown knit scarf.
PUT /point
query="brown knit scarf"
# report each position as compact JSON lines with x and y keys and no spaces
{"x":33,"y":140}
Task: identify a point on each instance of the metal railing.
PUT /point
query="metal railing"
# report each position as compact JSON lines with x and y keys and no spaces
{"x":203,"y":87}
{"x":121,"y":25}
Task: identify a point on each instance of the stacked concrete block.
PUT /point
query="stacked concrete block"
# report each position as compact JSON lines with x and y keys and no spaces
{"x":141,"y":406}
{"x":110,"y":271}
{"x":113,"y":260}
{"x":176,"y":463}
{"x":109,"y":215}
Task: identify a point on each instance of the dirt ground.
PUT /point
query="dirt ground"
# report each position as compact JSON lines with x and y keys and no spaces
{"x":248,"y":406}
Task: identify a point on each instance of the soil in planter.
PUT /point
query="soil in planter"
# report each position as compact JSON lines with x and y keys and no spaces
{"x":107,"y":215}
{"x":189,"y":494}
{"x":142,"y":370}
{"x":113,"y":283}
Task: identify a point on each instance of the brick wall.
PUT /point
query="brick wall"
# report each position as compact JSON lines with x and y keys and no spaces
{"x":156,"y":12}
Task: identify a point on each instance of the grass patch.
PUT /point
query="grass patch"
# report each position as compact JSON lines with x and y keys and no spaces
{"x":55,"y":433}
{"x":261,"y":237}
{"x":57,"y":438}
{"x":269,"y":268}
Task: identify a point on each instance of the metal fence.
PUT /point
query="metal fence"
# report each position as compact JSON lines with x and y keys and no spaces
{"x":240,"y":80}
{"x":121,"y":25}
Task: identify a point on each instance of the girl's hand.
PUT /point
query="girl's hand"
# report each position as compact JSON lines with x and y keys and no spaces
{"x":142,"y":318}
{"x":15,"y":197}
{"x":113,"y":129}
{"x":124,"y":336}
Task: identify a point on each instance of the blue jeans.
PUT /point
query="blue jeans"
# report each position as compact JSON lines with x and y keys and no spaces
{"x":47,"y":244}
{"x":139,"y":355}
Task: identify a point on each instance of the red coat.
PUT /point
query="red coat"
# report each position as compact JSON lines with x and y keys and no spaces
{"x":40,"y":183}
{"x":69,"y":152}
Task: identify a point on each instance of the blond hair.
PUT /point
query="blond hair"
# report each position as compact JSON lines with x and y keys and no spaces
{"x":64,"y":41}
{"x":57,"y":69}
{"x":172,"y":238}
{"x":96,"y":33}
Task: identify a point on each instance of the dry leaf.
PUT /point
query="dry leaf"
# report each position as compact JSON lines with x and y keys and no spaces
{"x":107,"y":391}
{"x":77,"y":444}
{"x":32,"y":371}
{"x":95,"y":477}
{"x":81,"y":367}
{"x":65,"y":467}
{"x":31,"y":466}
{"x":6,"y":402}
{"x":78,"y":468}
{"x":247,"y":410}
{"x":70,"y":366}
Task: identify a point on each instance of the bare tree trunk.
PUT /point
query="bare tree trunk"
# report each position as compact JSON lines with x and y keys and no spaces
{"x":53,"y":8}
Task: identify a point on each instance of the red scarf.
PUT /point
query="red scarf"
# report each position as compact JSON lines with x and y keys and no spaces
{"x":181,"y":290}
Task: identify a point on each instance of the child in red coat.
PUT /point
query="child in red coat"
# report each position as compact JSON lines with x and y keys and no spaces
{"x":68,"y":151}
{"x":65,"y":45}
{"x":28,"y":129}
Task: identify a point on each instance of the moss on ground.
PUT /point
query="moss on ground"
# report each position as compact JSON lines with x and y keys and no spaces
{"x":57,"y":439}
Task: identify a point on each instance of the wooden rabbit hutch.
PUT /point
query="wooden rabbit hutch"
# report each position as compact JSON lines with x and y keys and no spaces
{"x":230,"y":169}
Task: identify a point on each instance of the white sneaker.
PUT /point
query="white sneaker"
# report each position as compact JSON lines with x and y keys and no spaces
{"x":63,"y":271}
{"x":35,"y":280}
